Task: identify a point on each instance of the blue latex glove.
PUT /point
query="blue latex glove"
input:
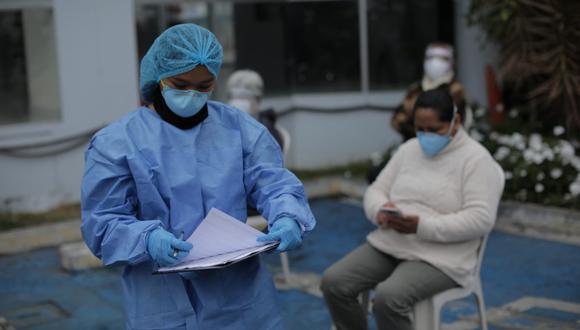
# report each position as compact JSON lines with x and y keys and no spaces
{"x":166,"y":249}
{"x":285,"y":230}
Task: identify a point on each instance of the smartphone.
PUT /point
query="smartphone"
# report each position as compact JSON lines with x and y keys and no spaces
{"x":393,"y":212}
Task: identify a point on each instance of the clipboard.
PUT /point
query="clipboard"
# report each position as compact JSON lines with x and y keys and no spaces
{"x":220,"y":241}
{"x":184,"y":267}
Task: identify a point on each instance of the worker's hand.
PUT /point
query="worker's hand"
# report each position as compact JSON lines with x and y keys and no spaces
{"x":166,"y":249}
{"x":407,"y":224}
{"x":285,"y":230}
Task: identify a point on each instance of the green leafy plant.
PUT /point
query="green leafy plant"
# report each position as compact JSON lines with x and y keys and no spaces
{"x":539,"y":51}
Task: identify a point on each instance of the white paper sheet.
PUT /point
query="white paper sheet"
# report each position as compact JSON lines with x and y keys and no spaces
{"x":220,"y":240}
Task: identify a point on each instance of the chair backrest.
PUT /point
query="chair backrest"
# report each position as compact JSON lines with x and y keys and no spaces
{"x":286,"y":141}
{"x":481,"y":250}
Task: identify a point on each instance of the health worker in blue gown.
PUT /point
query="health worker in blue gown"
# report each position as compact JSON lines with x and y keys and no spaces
{"x":157,"y":172}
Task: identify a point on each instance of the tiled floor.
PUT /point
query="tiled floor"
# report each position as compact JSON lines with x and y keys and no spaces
{"x":528,"y":283}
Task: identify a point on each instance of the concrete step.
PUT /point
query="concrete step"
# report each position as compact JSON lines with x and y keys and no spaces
{"x":538,"y":221}
{"x":46,"y":235}
{"x":515,"y":218}
{"x":77,"y":256}
{"x":5,"y":325}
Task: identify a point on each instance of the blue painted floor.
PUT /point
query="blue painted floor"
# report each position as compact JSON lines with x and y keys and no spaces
{"x":36,"y":294}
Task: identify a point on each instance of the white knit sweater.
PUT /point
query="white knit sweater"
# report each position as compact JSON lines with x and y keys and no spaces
{"x":455,"y":194}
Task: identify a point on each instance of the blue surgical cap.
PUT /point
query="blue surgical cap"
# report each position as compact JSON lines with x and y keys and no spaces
{"x":178,"y":50}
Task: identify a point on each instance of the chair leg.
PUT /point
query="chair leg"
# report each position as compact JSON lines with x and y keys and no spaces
{"x":481,"y":308}
{"x":285,"y":266}
{"x":365,"y":301}
{"x":436,"y":316}
{"x":425,"y":316}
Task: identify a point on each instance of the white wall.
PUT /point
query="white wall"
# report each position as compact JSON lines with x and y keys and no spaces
{"x":41,"y":68}
{"x":97,"y":58}
{"x":321,"y":140}
{"x":325,"y":138}
{"x":97,"y":75}
{"x":40,"y":183}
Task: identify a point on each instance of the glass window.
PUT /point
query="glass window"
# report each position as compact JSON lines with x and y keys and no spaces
{"x":295,"y":46}
{"x":29,"y":84}
{"x":311,"y":46}
{"x":300,"y":46}
{"x":152,"y":19}
{"x":399,"y":31}
{"x":325,"y":45}
{"x":262,"y":44}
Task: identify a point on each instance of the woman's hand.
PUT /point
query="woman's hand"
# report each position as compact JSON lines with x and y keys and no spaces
{"x":407,"y":224}
{"x":383,"y":218}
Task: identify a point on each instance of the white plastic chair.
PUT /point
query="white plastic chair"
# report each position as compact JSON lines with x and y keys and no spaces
{"x":258,"y":222}
{"x":286,"y":141}
{"x":427,"y":313}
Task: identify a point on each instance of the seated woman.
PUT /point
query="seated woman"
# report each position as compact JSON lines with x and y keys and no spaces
{"x":446,"y":188}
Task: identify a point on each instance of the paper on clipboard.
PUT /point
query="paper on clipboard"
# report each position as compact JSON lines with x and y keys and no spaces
{"x":219,"y":241}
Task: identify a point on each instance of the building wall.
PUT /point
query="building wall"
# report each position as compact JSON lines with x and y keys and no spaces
{"x":41,"y":55}
{"x":97,"y":76}
{"x":472,"y":55}
{"x":36,"y":184}
{"x":323,"y":140}
{"x":336,"y":128}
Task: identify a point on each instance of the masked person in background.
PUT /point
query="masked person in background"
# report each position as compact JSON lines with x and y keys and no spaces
{"x":432,"y":203}
{"x":245,"y":92}
{"x":438,"y":73}
{"x":158,"y":171}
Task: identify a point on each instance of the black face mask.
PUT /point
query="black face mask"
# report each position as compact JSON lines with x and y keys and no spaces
{"x":169,"y":116}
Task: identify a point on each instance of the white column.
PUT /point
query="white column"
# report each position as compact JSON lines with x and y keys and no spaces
{"x":97,"y":73}
{"x":471,"y":56}
{"x":363,"y":45}
{"x":97,"y":60}
{"x":41,"y":64}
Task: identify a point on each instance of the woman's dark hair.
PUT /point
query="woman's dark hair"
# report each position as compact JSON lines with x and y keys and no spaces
{"x":437,"y":99}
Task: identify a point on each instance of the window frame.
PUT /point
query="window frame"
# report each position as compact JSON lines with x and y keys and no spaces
{"x":112,"y":74}
{"x":27,"y":132}
{"x":364,"y":79}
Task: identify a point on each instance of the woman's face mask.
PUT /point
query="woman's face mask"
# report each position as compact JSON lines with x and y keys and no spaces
{"x":184,"y":103}
{"x":432,"y":143}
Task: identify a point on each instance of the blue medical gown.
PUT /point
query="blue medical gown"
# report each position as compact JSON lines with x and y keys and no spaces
{"x":142,"y":173}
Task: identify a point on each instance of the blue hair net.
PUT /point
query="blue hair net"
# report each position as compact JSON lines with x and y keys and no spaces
{"x":177,"y":50}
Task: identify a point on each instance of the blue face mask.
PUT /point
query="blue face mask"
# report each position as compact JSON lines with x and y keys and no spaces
{"x":433,"y":143}
{"x":184,"y":103}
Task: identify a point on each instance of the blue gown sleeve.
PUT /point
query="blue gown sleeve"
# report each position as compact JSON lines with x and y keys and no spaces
{"x":274,"y":190}
{"x":109,"y":201}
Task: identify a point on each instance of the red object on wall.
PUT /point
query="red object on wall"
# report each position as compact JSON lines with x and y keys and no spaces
{"x":494,"y":103}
